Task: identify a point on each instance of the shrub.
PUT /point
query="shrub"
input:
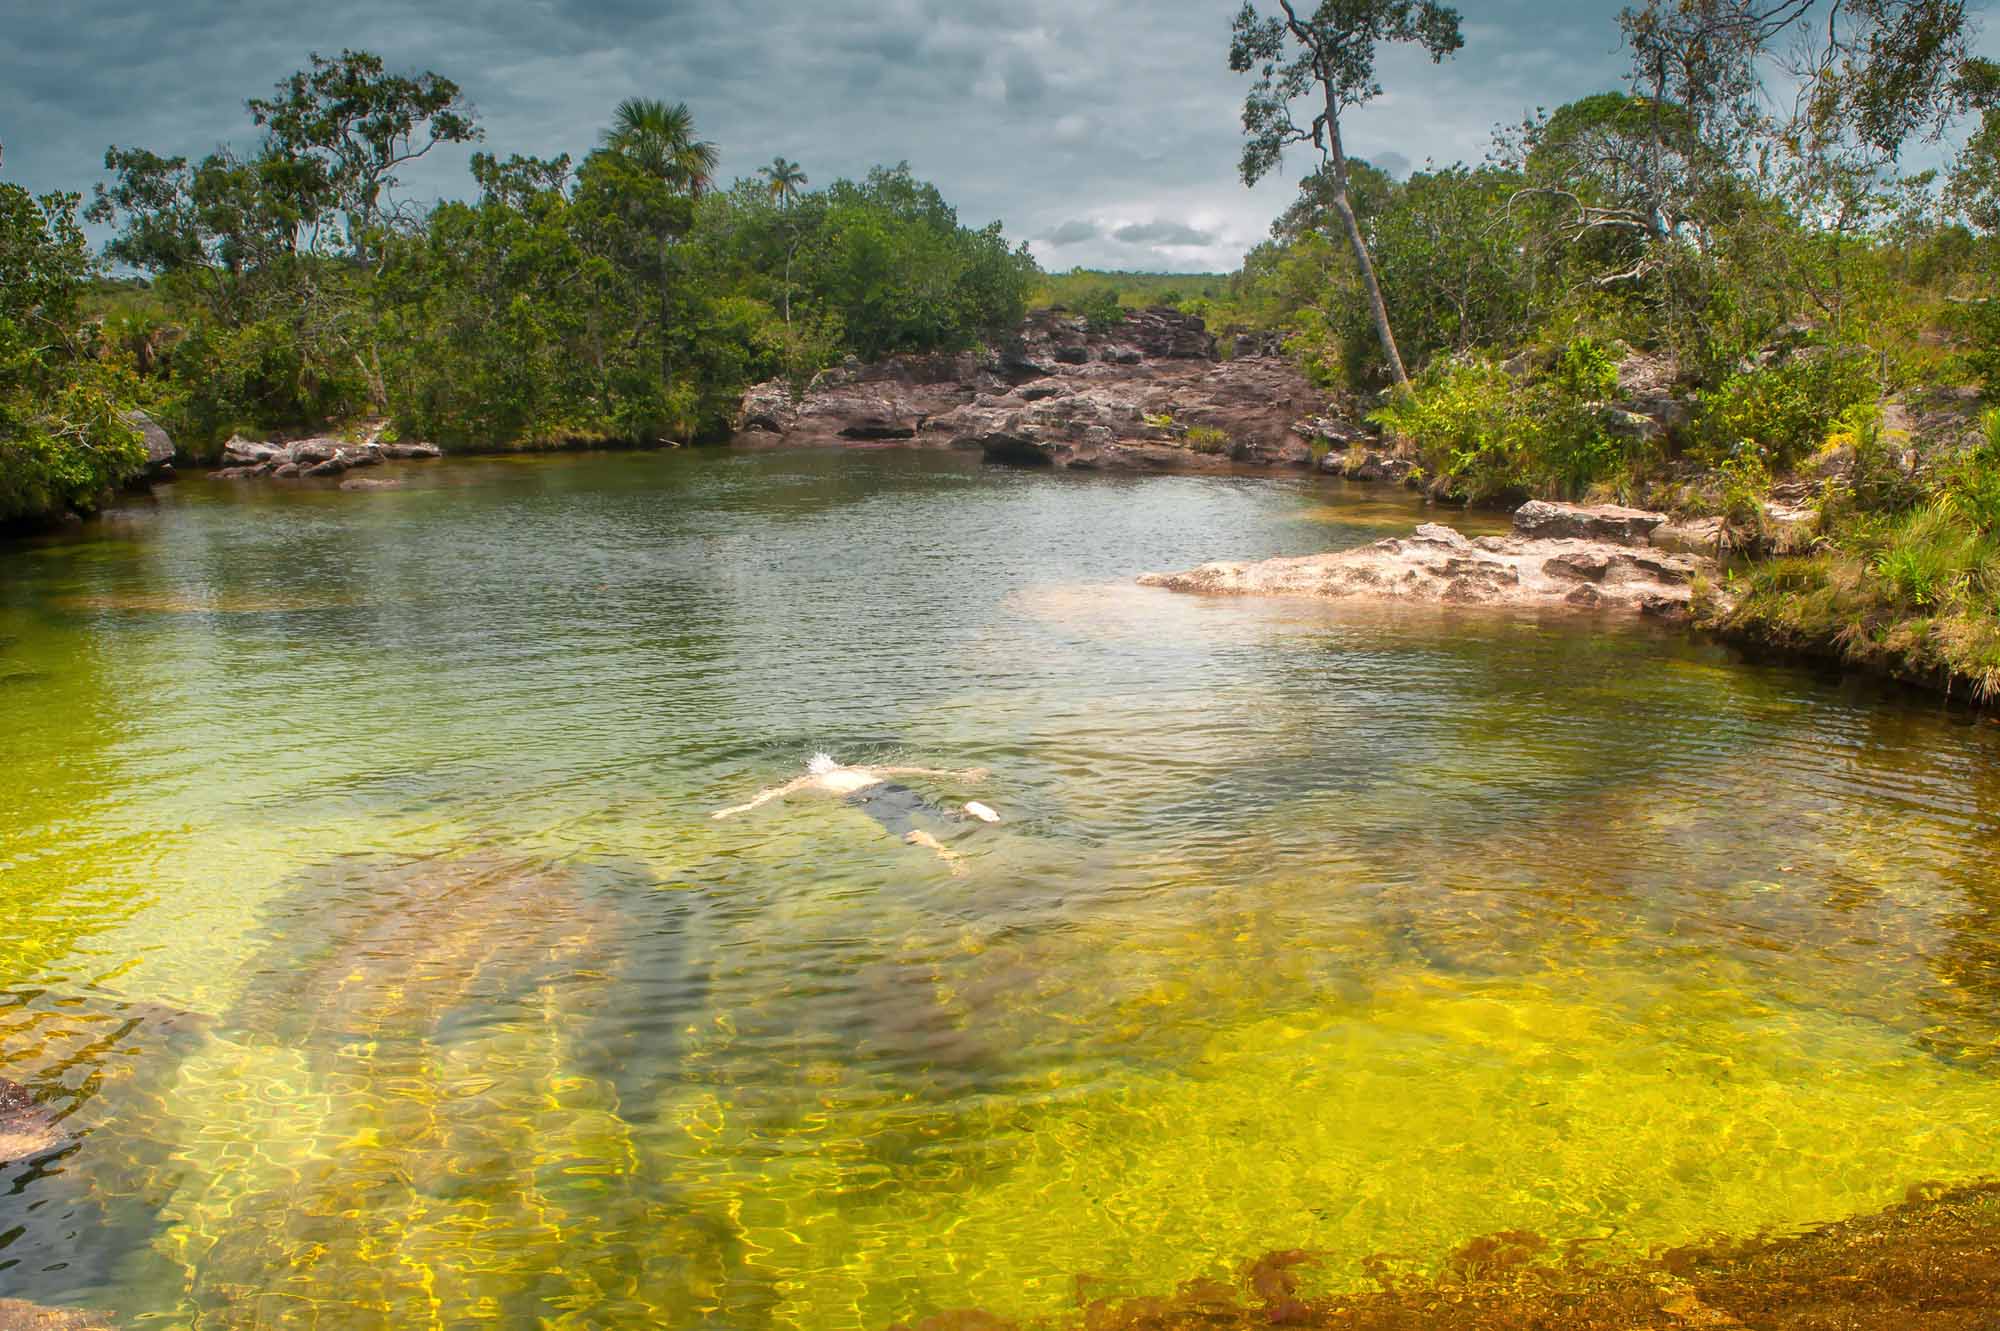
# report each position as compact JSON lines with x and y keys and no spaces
{"x":1970,"y":492}
{"x":1492,"y":439}
{"x":1206,"y":439}
{"x":1985,"y":357}
{"x":1929,"y":559}
{"x":1100,"y":309}
{"x":1785,"y":410}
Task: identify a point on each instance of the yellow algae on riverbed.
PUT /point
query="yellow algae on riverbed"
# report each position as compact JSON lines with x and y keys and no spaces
{"x":1364,"y":931}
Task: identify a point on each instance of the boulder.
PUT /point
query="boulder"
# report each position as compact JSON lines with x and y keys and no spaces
{"x":1542,"y":520}
{"x":285,"y":471}
{"x":1335,"y":432}
{"x":159,"y":446}
{"x":1438,"y":564}
{"x":241,"y":452}
{"x":1630,"y":425}
{"x":1708,"y":537}
{"x":768,"y":408}
{"x":309,"y":451}
{"x":408,"y":452}
{"x":243,"y":473}
{"x":332,"y":466}
{"x":887,"y":423}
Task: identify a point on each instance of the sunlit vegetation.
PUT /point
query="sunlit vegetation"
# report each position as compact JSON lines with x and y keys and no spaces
{"x":624,"y":295}
{"x":64,"y":438}
{"x":1762,"y":277}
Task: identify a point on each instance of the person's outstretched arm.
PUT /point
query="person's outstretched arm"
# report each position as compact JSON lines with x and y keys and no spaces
{"x":763,"y":798}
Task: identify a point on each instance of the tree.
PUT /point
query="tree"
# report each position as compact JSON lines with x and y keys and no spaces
{"x":659,"y":139}
{"x":1330,"y":55}
{"x":351,"y":124}
{"x":64,"y":437}
{"x":1974,"y":189}
{"x":784,"y":179}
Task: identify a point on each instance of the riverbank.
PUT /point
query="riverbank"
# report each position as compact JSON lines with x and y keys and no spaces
{"x":1147,"y":390}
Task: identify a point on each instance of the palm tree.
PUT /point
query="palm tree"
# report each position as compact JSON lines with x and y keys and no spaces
{"x":660,"y":139}
{"x":783,"y":178}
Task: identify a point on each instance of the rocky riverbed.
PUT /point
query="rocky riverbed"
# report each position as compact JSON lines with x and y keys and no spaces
{"x":1149,"y":393}
{"x":1558,"y":555}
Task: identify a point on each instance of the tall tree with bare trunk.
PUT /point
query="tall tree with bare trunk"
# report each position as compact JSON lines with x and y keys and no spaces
{"x":1327,"y":60}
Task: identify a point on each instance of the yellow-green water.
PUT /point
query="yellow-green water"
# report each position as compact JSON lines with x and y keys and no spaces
{"x":366,"y":924}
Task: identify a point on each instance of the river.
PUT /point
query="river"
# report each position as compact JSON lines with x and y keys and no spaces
{"x":366,"y":923}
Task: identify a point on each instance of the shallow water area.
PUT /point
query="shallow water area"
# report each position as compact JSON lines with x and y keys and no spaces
{"x":377,"y":960}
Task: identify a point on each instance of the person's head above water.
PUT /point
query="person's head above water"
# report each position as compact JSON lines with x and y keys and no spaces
{"x":822,"y":763}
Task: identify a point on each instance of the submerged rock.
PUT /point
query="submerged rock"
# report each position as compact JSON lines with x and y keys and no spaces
{"x":87,"y":1079}
{"x":370,"y":946}
{"x":16,"y":1315}
{"x":1437,"y":564}
{"x":26,"y":1128}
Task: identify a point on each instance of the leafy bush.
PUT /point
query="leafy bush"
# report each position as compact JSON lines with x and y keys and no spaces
{"x":1971,"y":489}
{"x":1785,"y":410}
{"x":1100,"y":309}
{"x":1746,"y":483}
{"x":64,"y":438}
{"x":1492,"y":439}
{"x":260,"y":377}
{"x":1985,"y":357}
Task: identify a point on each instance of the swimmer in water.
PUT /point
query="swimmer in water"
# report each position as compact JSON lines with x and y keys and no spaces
{"x":869,"y":789}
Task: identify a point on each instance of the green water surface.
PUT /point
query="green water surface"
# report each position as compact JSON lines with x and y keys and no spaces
{"x":365,"y":923}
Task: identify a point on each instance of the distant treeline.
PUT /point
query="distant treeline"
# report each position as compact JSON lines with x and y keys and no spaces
{"x":620,"y":295}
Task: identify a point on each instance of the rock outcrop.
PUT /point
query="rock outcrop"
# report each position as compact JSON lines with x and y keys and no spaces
{"x":1148,"y":393}
{"x":159,"y":445}
{"x":1559,"y":555}
{"x":244,"y":459}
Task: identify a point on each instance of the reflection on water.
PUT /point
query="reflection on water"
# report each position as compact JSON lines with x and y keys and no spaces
{"x":376,"y":957}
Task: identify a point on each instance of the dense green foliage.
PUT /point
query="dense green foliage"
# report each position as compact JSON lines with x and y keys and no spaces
{"x":1493,"y":438}
{"x":64,"y":439}
{"x":1906,"y":576}
{"x":622,"y":297}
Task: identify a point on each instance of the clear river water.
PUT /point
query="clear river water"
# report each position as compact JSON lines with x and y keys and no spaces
{"x":365,"y":926}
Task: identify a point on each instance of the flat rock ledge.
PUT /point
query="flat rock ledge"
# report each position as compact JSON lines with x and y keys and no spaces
{"x":248,"y":459}
{"x":1559,"y":556}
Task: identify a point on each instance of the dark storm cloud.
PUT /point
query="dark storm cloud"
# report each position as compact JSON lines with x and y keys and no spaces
{"x":1050,"y":114}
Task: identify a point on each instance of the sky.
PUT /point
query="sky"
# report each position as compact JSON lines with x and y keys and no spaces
{"x":1103,"y":132}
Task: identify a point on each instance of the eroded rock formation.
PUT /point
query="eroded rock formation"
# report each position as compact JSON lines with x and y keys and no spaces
{"x":1148,"y":393}
{"x":1559,"y":555}
{"x":244,"y":459}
